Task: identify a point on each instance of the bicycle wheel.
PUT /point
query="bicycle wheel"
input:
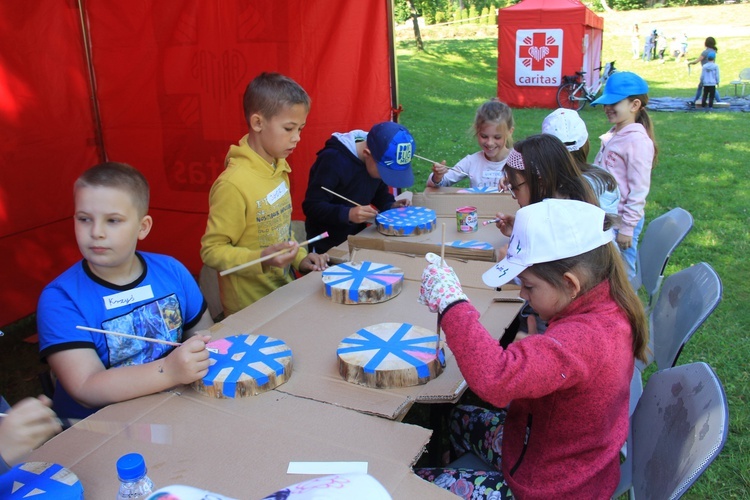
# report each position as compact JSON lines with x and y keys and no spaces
{"x":571,"y":96}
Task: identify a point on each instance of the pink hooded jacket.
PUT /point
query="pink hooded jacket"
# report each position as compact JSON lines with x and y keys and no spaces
{"x":628,"y":155}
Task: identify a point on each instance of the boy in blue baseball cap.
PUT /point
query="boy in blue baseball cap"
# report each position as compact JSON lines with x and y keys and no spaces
{"x":359,"y":167}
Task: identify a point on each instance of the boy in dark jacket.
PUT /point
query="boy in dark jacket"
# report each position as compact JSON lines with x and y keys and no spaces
{"x":360,"y":167}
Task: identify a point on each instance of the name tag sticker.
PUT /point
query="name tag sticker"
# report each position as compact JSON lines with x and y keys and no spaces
{"x":128,"y":297}
{"x":277,"y":193}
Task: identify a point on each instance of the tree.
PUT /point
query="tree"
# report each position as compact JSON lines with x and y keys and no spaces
{"x":414,"y":18}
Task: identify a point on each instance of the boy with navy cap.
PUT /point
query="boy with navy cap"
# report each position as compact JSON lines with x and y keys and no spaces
{"x":359,"y":166}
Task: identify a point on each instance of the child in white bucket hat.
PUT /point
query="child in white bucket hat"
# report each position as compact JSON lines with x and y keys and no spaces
{"x":564,"y":393}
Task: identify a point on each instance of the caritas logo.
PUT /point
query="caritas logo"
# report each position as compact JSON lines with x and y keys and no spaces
{"x":539,"y":57}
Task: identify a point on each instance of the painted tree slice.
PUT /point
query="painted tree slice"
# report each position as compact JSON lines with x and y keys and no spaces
{"x":479,"y":190}
{"x":245,"y":365}
{"x":389,"y":355}
{"x":406,"y":221}
{"x":362,"y":282}
{"x":471,"y":244}
{"x":40,"y":480}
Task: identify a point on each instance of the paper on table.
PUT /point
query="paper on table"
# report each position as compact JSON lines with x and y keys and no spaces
{"x":327,"y":468}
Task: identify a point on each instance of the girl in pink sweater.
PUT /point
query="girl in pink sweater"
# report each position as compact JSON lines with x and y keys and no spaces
{"x":628,"y":152}
{"x":564,"y":394}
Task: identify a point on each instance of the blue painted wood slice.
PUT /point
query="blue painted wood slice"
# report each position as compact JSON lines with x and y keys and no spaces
{"x":245,"y":365}
{"x":362,"y":282}
{"x":471,"y":244}
{"x":40,"y":481}
{"x":389,"y":355}
{"x":406,"y":221}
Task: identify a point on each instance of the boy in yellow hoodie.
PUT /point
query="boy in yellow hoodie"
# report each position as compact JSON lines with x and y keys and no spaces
{"x":250,"y":206}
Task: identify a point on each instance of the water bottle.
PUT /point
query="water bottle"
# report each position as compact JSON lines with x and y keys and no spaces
{"x":134,"y":483}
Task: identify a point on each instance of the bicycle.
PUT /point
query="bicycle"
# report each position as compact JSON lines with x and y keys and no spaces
{"x":573,"y":92}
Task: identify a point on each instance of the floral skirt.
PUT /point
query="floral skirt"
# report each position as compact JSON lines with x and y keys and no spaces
{"x":479,"y":431}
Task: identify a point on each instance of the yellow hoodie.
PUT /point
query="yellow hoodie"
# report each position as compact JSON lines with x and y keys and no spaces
{"x":250,"y":208}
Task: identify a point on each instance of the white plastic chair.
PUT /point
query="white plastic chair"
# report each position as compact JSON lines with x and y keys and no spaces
{"x":686,"y":300}
{"x":661,"y":237}
{"x":743,"y":80}
{"x":679,"y":427}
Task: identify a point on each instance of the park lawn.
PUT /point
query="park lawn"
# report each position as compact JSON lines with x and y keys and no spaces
{"x":702,"y":167}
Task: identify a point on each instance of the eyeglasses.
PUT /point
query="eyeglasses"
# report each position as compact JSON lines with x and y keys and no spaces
{"x":514,"y":188}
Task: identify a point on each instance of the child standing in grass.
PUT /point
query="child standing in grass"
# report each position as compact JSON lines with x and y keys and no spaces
{"x":493,"y":128}
{"x":628,"y":152}
{"x":710,"y":79}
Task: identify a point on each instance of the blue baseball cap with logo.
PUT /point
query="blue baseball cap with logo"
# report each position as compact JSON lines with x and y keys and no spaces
{"x":620,"y":85}
{"x":392,"y":148}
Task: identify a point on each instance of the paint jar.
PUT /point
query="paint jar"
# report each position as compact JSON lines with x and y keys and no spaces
{"x":467,"y":219}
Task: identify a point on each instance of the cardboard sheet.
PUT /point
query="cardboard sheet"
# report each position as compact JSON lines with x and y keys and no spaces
{"x":239,"y":448}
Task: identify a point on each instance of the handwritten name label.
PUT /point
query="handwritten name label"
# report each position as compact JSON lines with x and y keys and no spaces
{"x":128,"y":297}
{"x":277,"y":193}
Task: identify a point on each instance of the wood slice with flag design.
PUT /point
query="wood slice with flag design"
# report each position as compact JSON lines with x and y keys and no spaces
{"x":406,"y":221}
{"x":42,"y":480}
{"x":245,"y":365}
{"x":362,"y":282}
{"x":388,"y":355}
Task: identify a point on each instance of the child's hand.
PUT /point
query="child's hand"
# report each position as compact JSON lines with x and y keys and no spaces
{"x":189,"y":362}
{"x":440,"y":286}
{"x":505,"y":223}
{"x":314,"y":262}
{"x":438,"y":171}
{"x":403,"y":202}
{"x":285,"y":258}
{"x":358,"y":215}
{"x":624,"y":241}
{"x":29,"y":424}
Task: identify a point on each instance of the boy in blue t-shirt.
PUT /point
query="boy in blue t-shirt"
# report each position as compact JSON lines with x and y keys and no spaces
{"x":118,"y":289}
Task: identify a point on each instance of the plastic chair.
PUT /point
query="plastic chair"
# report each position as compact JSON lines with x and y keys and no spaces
{"x":687,"y":299}
{"x":626,"y":467}
{"x":743,"y":80}
{"x":659,"y":240}
{"x":679,"y":427}
{"x":208,"y":281}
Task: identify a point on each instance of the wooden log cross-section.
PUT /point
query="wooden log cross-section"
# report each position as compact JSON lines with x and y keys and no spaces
{"x":406,"y":221}
{"x":245,"y":365}
{"x":362,"y":282}
{"x":388,"y":355}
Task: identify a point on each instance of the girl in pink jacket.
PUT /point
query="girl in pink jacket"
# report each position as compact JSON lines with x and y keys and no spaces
{"x":561,"y":397}
{"x":628,"y":152}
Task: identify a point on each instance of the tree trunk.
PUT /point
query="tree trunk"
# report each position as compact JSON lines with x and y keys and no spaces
{"x":414,"y":15}
{"x":606,"y":7}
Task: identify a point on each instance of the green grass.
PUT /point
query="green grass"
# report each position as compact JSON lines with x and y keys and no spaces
{"x":702,"y":168}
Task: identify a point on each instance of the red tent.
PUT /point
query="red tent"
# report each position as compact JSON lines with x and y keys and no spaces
{"x":159,"y":84}
{"x":539,"y":42}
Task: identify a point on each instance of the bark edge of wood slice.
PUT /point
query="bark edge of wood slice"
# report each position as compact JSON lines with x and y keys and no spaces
{"x":389,"y":355}
{"x":246,"y":365}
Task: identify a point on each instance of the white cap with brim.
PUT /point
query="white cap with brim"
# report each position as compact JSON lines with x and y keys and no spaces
{"x":620,"y":85}
{"x":547,"y":231}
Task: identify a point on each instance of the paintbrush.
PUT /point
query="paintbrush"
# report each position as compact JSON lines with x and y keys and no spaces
{"x":426,"y":159}
{"x":271,"y":255}
{"x":136,"y":337}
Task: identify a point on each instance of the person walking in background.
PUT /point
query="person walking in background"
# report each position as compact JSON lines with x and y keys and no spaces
{"x":648,"y":46}
{"x":661,"y":46}
{"x":709,"y":46}
{"x":710,"y":79}
{"x":635,"y":41}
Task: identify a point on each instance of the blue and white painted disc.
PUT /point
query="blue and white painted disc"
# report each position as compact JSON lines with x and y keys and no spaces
{"x":406,"y":221}
{"x":479,"y":190}
{"x":245,"y":365}
{"x":471,"y":244}
{"x":362,"y":282}
{"x":40,"y":481}
{"x":390,"y":355}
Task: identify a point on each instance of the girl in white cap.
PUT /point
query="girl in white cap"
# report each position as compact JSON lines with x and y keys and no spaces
{"x":564,"y":395}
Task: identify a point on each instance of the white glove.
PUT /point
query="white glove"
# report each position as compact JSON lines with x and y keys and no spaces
{"x":440,"y":286}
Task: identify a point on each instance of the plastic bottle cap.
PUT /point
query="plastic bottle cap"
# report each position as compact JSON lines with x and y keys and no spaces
{"x":131,"y":466}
